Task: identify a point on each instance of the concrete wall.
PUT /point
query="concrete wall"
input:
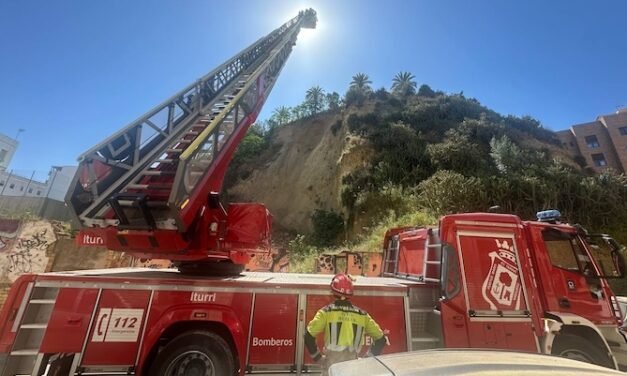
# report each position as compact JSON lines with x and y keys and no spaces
{"x":42,"y":246}
{"x":12,"y":184}
{"x":37,"y":206}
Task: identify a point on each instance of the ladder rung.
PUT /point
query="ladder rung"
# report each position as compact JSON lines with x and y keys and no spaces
{"x":433,"y":262}
{"x":193,"y":133}
{"x":25,"y":352}
{"x":158,"y":173}
{"x":148,"y":186}
{"x":174,"y":150}
{"x":165,"y":160}
{"x":434,"y":245}
{"x":429,"y":279}
{"x":33,"y":326}
{"x":185,"y":141}
{"x":42,"y":301}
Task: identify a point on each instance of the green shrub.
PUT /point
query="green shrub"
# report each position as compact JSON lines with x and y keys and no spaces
{"x":327,"y":226}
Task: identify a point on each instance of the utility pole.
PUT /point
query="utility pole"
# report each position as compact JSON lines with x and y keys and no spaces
{"x":18,"y":133}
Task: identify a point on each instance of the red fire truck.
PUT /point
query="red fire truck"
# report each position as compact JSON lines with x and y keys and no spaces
{"x":480,"y":280}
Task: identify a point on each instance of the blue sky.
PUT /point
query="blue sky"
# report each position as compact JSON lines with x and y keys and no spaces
{"x":72,"y":72}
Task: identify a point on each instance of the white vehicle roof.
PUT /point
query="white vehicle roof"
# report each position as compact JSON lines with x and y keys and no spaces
{"x":446,"y":362}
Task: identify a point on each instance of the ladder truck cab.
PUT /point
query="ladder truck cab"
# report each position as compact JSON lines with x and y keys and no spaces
{"x":152,"y":188}
{"x":538,"y":286}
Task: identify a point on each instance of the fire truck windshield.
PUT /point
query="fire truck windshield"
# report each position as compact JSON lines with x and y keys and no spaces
{"x":607,"y":254}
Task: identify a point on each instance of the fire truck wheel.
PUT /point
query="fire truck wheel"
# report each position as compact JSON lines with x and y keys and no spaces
{"x":577,"y":348}
{"x":60,"y":366}
{"x":194,"y":353}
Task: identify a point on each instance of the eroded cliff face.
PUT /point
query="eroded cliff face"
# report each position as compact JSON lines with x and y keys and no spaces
{"x":302,"y":170}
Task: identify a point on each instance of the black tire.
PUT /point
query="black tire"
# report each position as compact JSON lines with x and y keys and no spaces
{"x":60,"y":366}
{"x":195,"y":353}
{"x":218,"y":269}
{"x":578,"y":348}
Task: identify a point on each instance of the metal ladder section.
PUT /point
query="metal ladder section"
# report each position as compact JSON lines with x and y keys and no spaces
{"x":390,"y":264}
{"x":433,"y":257}
{"x":139,"y":162}
{"x":156,"y":179}
{"x":425,"y":324}
{"x":30,"y":326}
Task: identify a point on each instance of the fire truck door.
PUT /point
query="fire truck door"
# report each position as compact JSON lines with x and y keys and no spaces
{"x":116,"y":330}
{"x":571,"y":284}
{"x":497,"y":308}
{"x":273,"y":341}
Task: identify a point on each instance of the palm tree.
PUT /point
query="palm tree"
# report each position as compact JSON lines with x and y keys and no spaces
{"x":403,"y":84}
{"x":314,"y":99}
{"x":298,"y":112}
{"x":361,"y":83}
{"x":282,"y":115}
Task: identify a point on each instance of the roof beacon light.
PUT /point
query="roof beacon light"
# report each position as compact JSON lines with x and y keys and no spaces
{"x":550,"y":216}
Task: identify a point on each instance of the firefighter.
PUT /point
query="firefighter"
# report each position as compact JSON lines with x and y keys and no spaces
{"x":344,"y":326}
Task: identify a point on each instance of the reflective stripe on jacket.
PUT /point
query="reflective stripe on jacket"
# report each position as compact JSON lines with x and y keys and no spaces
{"x":345,"y":326}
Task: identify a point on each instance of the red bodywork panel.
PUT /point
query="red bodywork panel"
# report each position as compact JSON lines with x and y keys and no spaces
{"x":69,"y":321}
{"x":120,"y":317}
{"x":412,"y":252}
{"x":246,"y":228}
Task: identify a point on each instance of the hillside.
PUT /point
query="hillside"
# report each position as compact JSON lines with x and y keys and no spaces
{"x":302,"y":170}
{"x":376,"y":156}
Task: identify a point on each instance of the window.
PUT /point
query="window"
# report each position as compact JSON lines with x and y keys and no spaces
{"x":21,"y":188}
{"x":3,"y":154}
{"x":560,"y":249}
{"x":623,"y":131}
{"x":38,"y":193}
{"x":1,"y":183}
{"x":592,"y":142}
{"x":11,"y":185}
{"x":599,"y":160}
{"x":30,"y":190}
{"x":567,"y":252}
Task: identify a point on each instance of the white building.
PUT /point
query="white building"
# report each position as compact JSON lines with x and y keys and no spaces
{"x":7,"y":150}
{"x":24,"y":185}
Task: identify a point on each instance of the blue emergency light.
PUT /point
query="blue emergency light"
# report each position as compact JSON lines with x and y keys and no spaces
{"x":549,"y":215}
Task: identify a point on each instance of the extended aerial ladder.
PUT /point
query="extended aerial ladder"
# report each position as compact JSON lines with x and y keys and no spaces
{"x":152,"y":188}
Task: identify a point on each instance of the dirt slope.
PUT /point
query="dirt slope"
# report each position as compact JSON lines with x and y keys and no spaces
{"x":302,"y":170}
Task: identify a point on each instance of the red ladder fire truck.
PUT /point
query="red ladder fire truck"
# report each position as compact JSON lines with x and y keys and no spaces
{"x":152,"y":188}
{"x":480,"y":280}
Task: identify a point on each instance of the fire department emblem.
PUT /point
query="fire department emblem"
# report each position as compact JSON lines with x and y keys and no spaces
{"x":501,"y":288}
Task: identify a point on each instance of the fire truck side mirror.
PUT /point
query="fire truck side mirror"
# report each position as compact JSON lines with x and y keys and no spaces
{"x":619,"y":263}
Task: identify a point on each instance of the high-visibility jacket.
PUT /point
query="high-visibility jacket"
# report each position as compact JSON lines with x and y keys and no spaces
{"x":345,"y":327}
